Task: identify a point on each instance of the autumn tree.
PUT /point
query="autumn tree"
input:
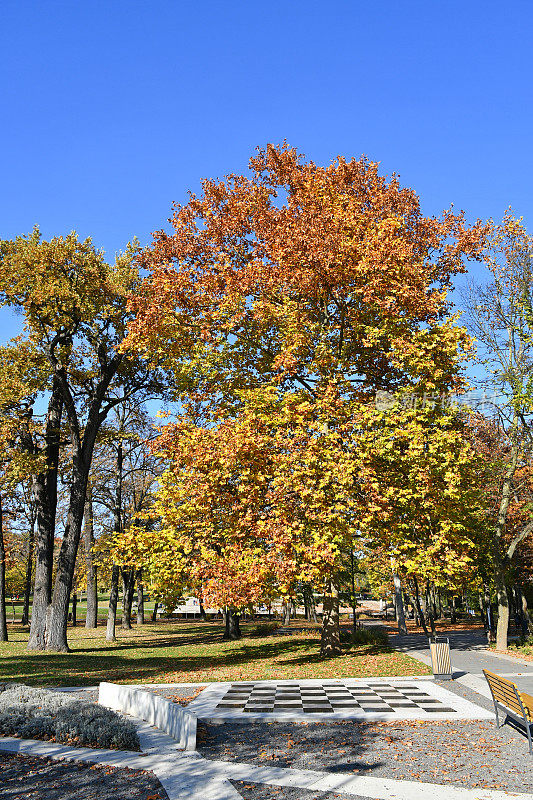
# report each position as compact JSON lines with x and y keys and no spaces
{"x":501,"y":318}
{"x":313,"y":287}
{"x":74,"y":306}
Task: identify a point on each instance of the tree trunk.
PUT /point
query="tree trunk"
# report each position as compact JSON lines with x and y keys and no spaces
{"x":113,"y":602}
{"x":286,"y":612}
{"x":483,"y":613}
{"x":45,"y":499}
{"x":309,"y":599}
{"x":330,"y":640}
{"x":203,"y":615}
{"x":154,"y":612}
{"x":502,"y":627}
{"x":232,"y":629}
{"x":57,"y":614}
{"x":419,"y":607}
{"x":453,"y":611}
{"x":91,"y":618}
{"x":29,"y":569}
{"x":430,"y":609}
{"x":518,"y":606}
{"x":115,"y":571}
{"x":398,"y":604}
{"x":3,"y":618}
{"x":353,"y":597}
{"x":140,"y":602}
{"x":525,"y":616}
{"x":128,"y":589}
{"x":74,"y":609}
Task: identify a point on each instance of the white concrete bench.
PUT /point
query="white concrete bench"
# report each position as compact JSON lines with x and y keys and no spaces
{"x":169,"y":717}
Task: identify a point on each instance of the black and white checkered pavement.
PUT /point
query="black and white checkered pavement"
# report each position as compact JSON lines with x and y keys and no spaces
{"x":369,"y":697}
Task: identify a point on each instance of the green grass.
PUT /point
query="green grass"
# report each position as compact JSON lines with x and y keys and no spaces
{"x":170,"y":651}
{"x":521,"y":648}
{"x":14,"y":609}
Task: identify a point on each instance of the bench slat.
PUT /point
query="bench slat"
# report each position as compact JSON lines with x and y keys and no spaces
{"x":507,"y":693}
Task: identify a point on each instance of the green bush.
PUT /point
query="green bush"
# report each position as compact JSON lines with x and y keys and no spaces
{"x":370,"y":635}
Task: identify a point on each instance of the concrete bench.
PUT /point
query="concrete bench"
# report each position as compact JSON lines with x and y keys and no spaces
{"x":515,"y":704}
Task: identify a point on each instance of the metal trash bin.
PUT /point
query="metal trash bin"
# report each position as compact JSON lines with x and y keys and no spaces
{"x":441,"y":662}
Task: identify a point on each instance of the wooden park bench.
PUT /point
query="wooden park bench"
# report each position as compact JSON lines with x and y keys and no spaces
{"x":508,"y":698}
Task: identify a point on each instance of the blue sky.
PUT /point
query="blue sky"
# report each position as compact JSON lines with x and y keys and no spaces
{"x":111,"y":110}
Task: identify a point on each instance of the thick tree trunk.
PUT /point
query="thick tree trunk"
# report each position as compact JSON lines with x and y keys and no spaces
{"x":312,"y":607}
{"x":113,"y":603}
{"x":128,"y":589}
{"x":45,"y":499}
{"x":525,"y":615}
{"x":57,"y":614}
{"x":203,"y":615}
{"x":502,"y":628}
{"x":3,"y":618}
{"x":91,"y":618}
{"x":330,"y":640}
{"x":398,"y":604}
{"x":29,"y":569}
{"x":232,"y":628}
{"x":140,"y":602}
{"x":286,"y":611}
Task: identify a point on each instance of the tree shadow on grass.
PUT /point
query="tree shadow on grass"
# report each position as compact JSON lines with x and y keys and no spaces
{"x":84,"y":667}
{"x":358,"y":651}
{"x":130,"y":661}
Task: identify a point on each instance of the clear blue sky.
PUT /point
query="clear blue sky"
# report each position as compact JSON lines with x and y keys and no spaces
{"x":111,"y":110}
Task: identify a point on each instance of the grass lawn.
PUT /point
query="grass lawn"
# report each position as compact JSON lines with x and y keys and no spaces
{"x":181,"y":652}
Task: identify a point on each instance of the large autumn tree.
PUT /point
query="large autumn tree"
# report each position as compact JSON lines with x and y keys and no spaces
{"x":501,"y":319}
{"x":306,"y":285}
{"x":74,"y":307}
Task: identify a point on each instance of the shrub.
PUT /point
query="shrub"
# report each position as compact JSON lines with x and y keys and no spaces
{"x":41,"y":714}
{"x":375,"y":635}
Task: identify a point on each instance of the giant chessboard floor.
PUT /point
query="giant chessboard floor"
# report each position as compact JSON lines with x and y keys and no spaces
{"x":371,"y":699}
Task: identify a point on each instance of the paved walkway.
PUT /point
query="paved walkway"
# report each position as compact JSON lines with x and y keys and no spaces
{"x":470,"y":655}
{"x":191,"y":777}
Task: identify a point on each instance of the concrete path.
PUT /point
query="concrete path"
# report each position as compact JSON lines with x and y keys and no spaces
{"x":191,"y":777}
{"x":470,"y":655}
